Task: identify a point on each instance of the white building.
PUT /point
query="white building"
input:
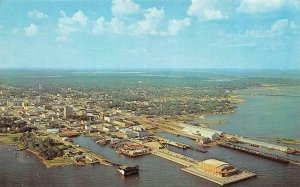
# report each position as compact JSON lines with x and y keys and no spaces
{"x":201,"y":131}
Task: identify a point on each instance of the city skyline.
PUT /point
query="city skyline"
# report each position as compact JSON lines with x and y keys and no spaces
{"x":143,"y":34}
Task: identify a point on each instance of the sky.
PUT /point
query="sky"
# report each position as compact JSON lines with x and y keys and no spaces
{"x":150,"y":34}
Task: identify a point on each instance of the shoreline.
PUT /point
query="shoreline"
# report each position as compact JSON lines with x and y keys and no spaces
{"x":46,"y":162}
{"x":7,"y":140}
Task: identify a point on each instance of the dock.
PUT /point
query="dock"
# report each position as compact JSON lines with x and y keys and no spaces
{"x":242,"y":175}
{"x":175,"y":144}
{"x":258,"y":153}
{"x":192,"y":166}
{"x":175,"y":157}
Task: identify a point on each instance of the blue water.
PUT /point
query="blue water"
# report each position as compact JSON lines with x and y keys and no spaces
{"x":263,"y":116}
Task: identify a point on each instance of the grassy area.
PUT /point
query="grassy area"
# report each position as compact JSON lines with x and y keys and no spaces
{"x":59,"y":161}
{"x":9,"y":139}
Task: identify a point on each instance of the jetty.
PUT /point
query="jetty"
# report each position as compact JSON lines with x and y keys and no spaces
{"x":191,"y":166}
{"x":175,"y":144}
{"x":242,"y":175}
{"x":257,"y":153}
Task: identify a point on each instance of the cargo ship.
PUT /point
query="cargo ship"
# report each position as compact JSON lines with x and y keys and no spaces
{"x":126,"y":170}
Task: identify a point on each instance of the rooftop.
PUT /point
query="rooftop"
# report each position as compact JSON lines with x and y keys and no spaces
{"x":216,"y":163}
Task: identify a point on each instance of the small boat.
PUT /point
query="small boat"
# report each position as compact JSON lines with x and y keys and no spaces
{"x":126,"y":170}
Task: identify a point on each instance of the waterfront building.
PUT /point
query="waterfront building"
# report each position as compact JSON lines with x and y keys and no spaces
{"x":264,"y":144}
{"x":218,"y":168}
{"x":203,"y":140}
{"x":201,"y":131}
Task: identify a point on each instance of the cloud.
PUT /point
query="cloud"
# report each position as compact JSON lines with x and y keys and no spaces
{"x":80,"y":18}
{"x":124,"y":7}
{"x":205,"y":9}
{"x":31,"y":30}
{"x":34,"y":14}
{"x":117,"y":26}
{"x":150,"y":23}
{"x":67,"y":25}
{"x":278,"y":28}
{"x":114,"y":26}
{"x":263,"y":6}
{"x":99,"y":25}
{"x":283,"y":26}
{"x":174,"y":25}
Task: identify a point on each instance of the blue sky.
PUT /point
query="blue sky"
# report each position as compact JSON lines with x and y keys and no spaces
{"x":190,"y":34}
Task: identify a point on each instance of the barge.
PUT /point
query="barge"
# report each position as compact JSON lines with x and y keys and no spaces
{"x":126,"y":170}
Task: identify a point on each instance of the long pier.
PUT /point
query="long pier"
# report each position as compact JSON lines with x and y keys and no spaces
{"x":175,"y":157}
{"x":175,"y":144}
{"x":192,"y":166}
{"x":257,"y":153}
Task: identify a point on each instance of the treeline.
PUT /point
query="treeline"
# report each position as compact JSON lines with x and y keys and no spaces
{"x":46,"y":148}
{"x":177,"y":108}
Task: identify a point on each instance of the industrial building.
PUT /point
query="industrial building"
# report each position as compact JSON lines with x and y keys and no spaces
{"x":218,"y":168}
{"x":264,"y":144}
{"x":201,"y":131}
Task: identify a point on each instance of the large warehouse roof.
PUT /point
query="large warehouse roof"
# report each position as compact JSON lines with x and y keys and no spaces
{"x":215,"y":163}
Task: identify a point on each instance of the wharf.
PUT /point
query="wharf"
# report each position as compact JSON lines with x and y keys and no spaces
{"x":242,"y":175}
{"x":175,"y":144}
{"x":258,"y":153}
{"x":175,"y":157}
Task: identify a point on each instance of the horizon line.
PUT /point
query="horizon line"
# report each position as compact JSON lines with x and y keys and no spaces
{"x":145,"y":69}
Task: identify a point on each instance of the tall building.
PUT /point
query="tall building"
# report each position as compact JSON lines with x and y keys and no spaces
{"x":40,"y":87}
{"x":1,"y":93}
{"x":68,"y":112}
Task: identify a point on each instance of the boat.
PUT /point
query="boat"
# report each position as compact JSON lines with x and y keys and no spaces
{"x":126,"y":170}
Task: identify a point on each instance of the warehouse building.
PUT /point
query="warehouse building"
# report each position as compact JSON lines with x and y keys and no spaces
{"x":264,"y":144}
{"x":218,"y":168}
{"x":201,"y":131}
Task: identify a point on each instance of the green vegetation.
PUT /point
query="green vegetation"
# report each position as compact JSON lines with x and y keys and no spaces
{"x":9,"y":139}
{"x":47,"y":148}
{"x":59,"y":161}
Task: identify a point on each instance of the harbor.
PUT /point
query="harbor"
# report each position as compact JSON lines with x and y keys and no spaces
{"x":243,"y":175}
{"x":257,"y":153}
{"x":192,"y":166}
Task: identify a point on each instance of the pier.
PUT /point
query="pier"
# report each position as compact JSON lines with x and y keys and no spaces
{"x":175,"y":157}
{"x":192,"y":166}
{"x":242,"y":175}
{"x":175,"y":144}
{"x":257,"y":153}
